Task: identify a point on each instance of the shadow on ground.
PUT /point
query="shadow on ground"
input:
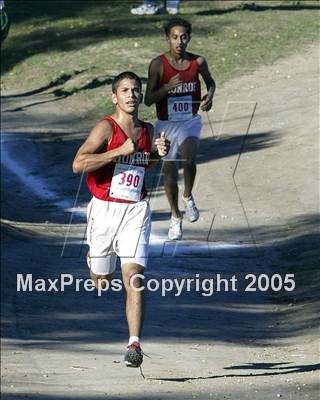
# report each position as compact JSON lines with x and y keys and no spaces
{"x":36,"y":396}
{"x":38,"y":171}
{"x":272,"y":370}
{"x":227,"y":146}
{"x":111,"y":19}
{"x":204,"y":312}
{"x":252,"y":6}
{"x":60,"y":93}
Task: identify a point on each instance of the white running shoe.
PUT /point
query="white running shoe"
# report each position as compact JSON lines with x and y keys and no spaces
{"x":175,"y":230}
{"x":192,"y":212}
{"x":144,"y":9}
{"x":172,"y":10}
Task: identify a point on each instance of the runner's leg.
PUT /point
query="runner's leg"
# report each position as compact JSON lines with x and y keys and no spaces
{"x":170,"y":170}
{"x":189,"y":149}
{"x":134,"y":311}
{"x":134,"y":300}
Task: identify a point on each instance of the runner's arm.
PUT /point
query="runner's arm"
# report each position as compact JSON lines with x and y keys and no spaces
{"x":210,"y":84}
{"x":154,"y":93}
{"x":160,"y":147}
{"x":88,"y":157}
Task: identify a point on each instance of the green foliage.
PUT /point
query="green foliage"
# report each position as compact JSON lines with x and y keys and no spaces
{"x":100,"y":38}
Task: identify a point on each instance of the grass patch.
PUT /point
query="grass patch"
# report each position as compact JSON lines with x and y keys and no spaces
{"x":101,"y":38}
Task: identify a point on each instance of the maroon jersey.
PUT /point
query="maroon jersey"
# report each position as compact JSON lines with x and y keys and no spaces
{"x":182,"y":102}
{"x":122,"y":180}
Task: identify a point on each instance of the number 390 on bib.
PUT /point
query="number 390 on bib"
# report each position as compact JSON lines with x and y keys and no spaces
{"x":127,"y":182}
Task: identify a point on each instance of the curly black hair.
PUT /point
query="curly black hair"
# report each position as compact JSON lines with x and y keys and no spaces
{"x":177,"y":22}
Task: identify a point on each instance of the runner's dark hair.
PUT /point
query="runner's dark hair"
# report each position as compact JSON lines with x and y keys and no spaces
{"x":177,"y":22}
{"x":125,"y":75}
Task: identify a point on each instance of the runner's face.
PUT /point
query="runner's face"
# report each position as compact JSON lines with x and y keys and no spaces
{"x":127,"y":96}
{"x":178,"y":40}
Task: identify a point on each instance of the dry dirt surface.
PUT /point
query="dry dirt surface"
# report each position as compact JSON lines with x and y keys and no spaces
{"x":257,"y":190}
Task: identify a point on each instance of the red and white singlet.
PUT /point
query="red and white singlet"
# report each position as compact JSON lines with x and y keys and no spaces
{"x":122,"y":180}
{"x":182,"y":102}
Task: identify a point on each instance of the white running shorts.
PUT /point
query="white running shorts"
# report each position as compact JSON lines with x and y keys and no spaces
{"x":177,"y":132}
{"x":117,"y":229}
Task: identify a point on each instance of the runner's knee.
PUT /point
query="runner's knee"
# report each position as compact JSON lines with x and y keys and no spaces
{"x":132,"y":276}
{"x":189,"y":163}
{"x":101,"y":280}
{"x":170,"y":173}
{"x":189,"y":149}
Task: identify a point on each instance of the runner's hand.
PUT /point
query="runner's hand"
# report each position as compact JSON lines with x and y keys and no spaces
{"x":173,"y":82}
{"x":206,"y":102}
{"x":163,"y":145}
{"x":128,"y":147}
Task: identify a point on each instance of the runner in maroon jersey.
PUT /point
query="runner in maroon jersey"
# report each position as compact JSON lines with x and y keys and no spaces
{"x":115,"y":155}
{"x":174,"y":86}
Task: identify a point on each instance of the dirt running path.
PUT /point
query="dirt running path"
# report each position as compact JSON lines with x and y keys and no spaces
{"x":230,"y":345}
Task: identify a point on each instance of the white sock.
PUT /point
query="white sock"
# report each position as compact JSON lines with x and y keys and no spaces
{"x":133,"y":339}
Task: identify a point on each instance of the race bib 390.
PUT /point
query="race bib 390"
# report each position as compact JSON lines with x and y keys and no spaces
{"x":127,"y":182}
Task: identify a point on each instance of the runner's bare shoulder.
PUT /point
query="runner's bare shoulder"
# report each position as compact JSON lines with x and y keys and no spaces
{"x":200,"y":59}
{"x":104,"y":125}
{"x":156,"y":65}
{"x":101,"y":132}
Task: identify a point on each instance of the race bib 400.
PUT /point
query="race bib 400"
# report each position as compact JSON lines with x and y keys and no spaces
{"x":179,"y":108}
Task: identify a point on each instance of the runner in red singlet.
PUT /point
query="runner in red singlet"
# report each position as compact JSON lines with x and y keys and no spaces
{"x":174,"y":86}
{"x":115,"y":155}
